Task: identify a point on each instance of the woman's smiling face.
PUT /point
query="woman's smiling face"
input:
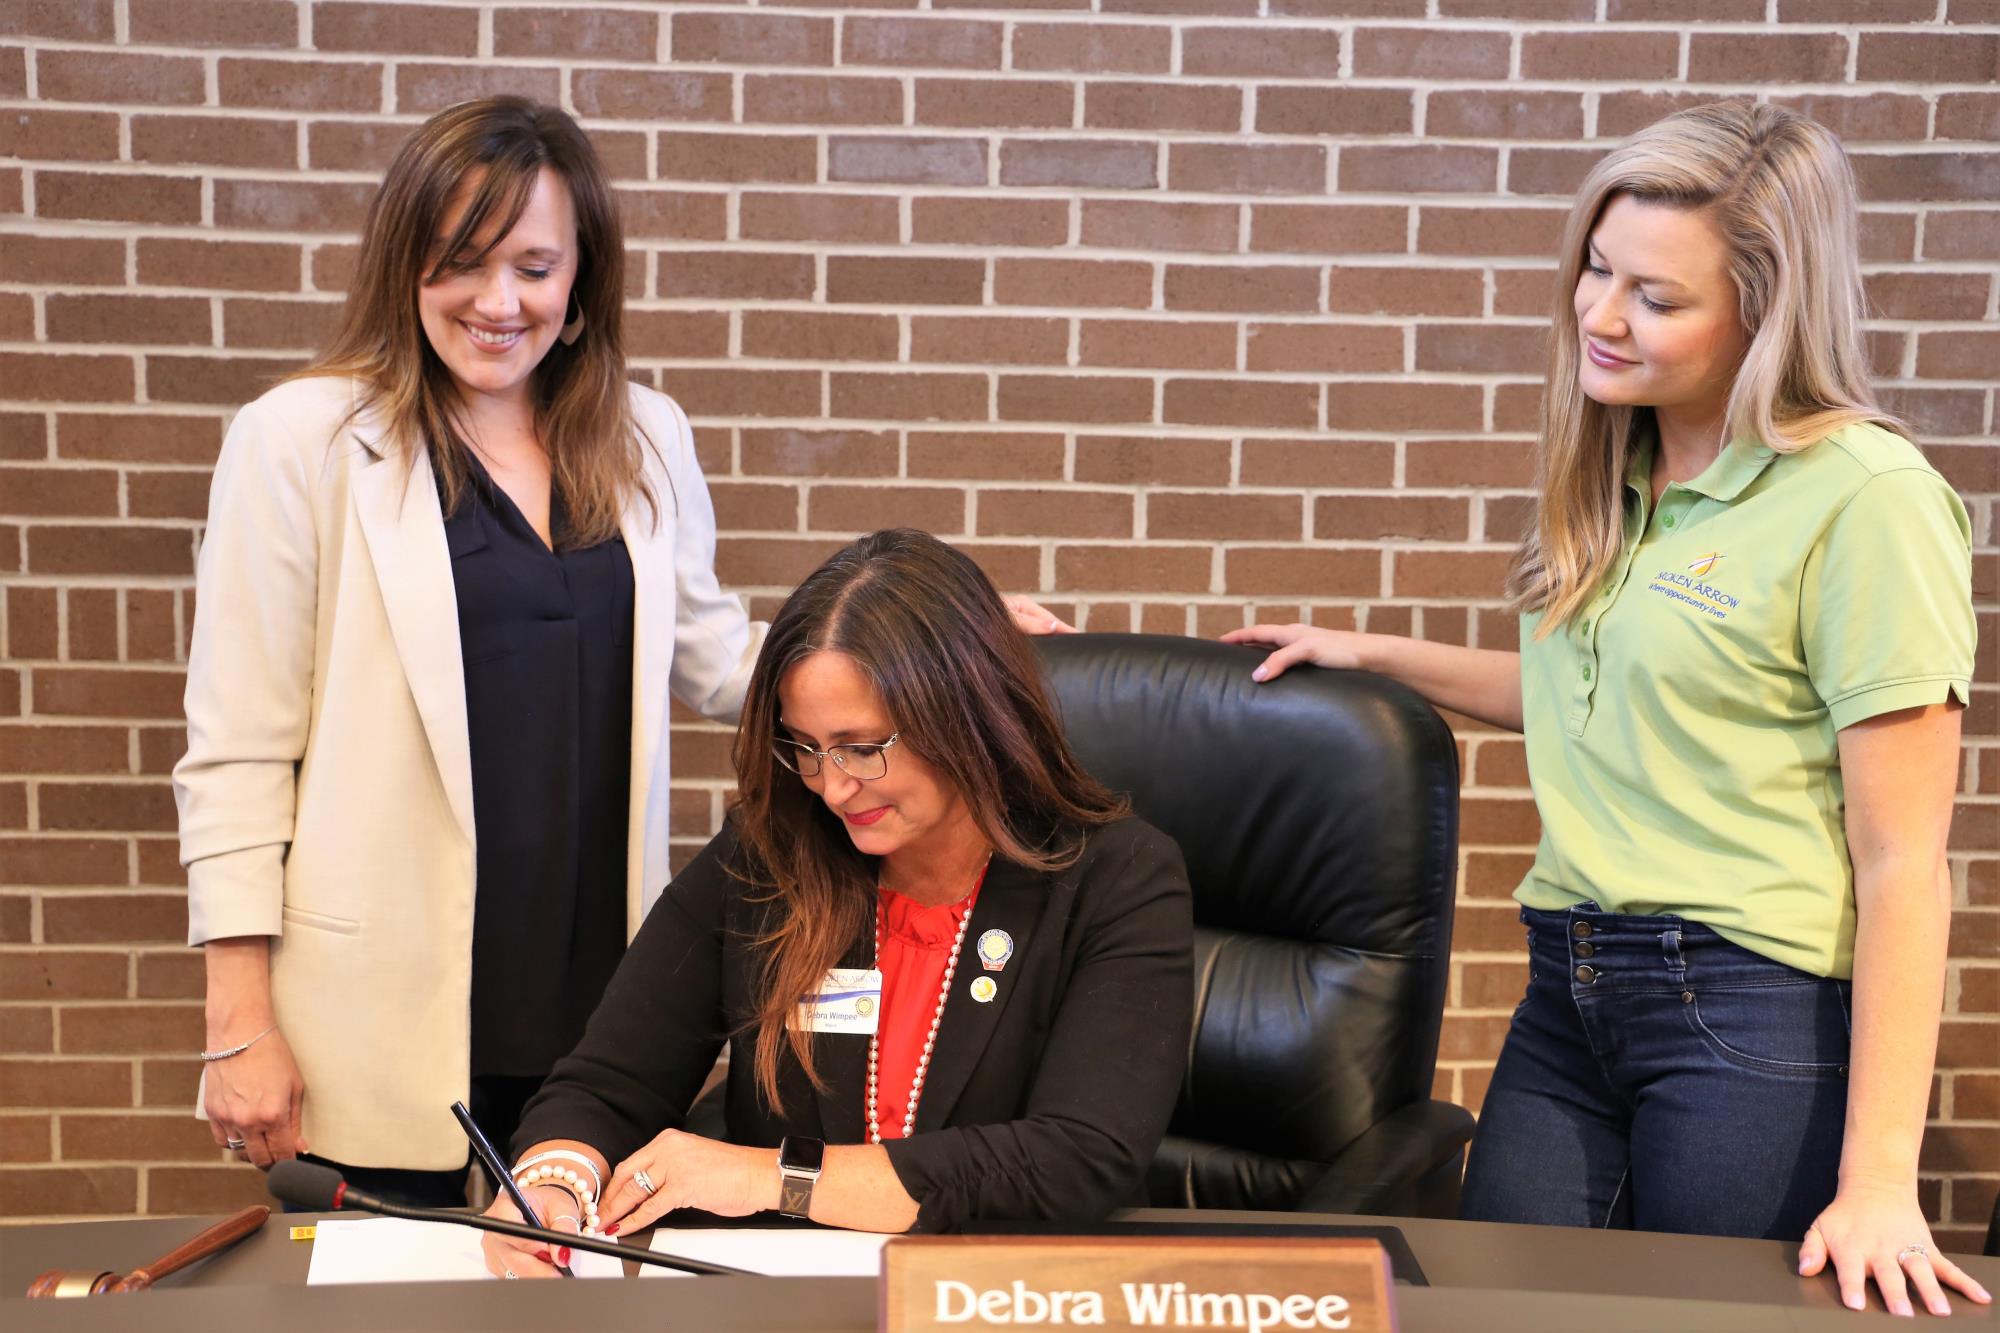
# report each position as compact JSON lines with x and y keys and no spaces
{"x":1656,"y":310}
{"x":492,"y":321}
{"x":826,"y":700}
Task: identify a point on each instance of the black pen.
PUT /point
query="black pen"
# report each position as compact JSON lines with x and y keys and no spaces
{"x":498,"y":1170}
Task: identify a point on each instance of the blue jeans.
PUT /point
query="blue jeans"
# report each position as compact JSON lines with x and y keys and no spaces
{"x":1659,"y":1078}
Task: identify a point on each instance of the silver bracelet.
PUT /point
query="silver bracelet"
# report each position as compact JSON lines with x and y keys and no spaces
{"x":208,"y":1057}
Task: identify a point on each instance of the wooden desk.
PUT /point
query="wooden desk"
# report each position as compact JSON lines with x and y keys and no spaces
{"x":1484,"y":1277}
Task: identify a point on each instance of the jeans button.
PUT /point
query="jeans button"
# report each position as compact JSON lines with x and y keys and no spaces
{"x":1584,"y":949}
{"x":1582,"y":930}
{"x":1586,"y":973}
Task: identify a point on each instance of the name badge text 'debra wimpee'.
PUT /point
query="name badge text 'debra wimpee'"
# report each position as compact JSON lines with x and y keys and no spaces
{"x":849,"y":999}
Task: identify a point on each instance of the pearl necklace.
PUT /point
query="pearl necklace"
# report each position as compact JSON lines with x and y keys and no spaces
{"x":930,"y":1040}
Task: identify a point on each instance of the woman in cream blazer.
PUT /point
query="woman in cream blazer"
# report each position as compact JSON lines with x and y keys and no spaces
{"x":445,"y":569}
{"x":326,"y":794}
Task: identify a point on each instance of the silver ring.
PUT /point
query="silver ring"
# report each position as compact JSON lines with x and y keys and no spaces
{"x":644,"y":1181}
{"x":1909,"y":1250}
{"x":236,"y":1143}
{"x":511,"y":1275}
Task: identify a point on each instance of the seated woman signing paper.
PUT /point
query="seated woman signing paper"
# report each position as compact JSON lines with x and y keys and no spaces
{"x":954,"y":973}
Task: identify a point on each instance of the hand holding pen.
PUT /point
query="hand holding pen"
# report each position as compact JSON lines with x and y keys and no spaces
{"x":503,"y":1179}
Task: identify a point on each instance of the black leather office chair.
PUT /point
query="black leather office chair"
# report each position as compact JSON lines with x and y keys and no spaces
{"x":1319,"y":817}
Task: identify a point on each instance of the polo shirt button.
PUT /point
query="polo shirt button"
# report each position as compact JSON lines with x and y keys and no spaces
{"x":1585,"y":627}
{"x":1668,"y":520}
{"x":1586,"y":973}
{"x":1586,"y":673}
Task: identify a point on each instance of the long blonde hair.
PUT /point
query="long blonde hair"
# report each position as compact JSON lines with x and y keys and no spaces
{"x":1780,"y":191}
{"x":583,"y":409}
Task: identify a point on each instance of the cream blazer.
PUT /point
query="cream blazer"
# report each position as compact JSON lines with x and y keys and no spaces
{"x":326,"y":794}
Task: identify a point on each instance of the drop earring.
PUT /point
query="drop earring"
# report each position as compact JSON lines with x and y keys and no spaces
{"x":574,"y":328}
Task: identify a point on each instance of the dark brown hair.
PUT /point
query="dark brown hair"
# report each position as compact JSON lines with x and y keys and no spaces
{"x":583,"y":410}
{"x":926,"y":627}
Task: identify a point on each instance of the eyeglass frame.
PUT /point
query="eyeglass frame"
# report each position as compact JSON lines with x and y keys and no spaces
{"x":831,"y":752}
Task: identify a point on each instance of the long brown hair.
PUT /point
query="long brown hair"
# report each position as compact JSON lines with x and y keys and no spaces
{"x":583,"y":410}
{"x":1780,"y":190}
{"x":925,"y":626}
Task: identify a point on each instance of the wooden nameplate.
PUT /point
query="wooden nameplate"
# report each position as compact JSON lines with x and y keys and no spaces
{"x":1273,"y":1285}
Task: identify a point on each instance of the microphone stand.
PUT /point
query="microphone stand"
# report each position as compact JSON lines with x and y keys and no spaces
{"x":595,"y":1244}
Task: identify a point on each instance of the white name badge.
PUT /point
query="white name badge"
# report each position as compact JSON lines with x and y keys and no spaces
{"x":849,"y":1000}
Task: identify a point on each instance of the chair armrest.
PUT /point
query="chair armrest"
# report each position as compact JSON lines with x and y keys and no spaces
{"x":1369,"y":1174}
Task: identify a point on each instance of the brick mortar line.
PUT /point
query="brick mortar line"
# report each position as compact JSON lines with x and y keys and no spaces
{"x":1087,"y":375}
{"x":1014,"y":16}
{"x":1412,"y":83}
{"x":1181,"y":27}
{"x":1222,"y":600}
{"x":1211,"y":319}
{"x":107,"y":229}
{"x":1233,"y":260}
{"x":1457,"y":200}
{"x":961,"y":369}
{"x":1199,"y":320}
{"x":1060,"y":485}
{"x":1096,"y":370}
{"x":1134,"y":135}
{"x":1158,"y":429}
{"x":109,"y":1004}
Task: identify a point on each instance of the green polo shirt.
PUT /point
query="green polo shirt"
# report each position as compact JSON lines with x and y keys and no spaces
{"x":1680,"y":732}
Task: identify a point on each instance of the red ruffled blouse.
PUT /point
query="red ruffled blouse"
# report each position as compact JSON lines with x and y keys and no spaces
{"x":916,"y":943}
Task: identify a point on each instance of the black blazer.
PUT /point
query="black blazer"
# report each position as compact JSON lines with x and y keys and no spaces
{"x":1045,"y":1103}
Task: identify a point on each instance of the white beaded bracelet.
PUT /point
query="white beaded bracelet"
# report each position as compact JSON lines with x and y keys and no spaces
{"x":565,"y":1155}
{"x":569,"y":1182}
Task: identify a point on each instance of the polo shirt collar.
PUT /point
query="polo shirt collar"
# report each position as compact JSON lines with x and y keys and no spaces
{"x":1741,"y":462}
{"x":1639,"y":468}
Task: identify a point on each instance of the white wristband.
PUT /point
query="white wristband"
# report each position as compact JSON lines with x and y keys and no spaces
{"x":563,"y":1155}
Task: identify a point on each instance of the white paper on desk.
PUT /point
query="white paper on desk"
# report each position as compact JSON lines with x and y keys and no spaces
{"x":390,"y":1249}
{"x":774,"y":1251}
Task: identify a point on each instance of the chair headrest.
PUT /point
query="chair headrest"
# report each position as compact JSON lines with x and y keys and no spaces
{"x":1319,"y":806}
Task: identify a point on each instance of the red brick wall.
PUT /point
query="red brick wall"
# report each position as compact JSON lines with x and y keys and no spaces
{"x":1180,"y":314}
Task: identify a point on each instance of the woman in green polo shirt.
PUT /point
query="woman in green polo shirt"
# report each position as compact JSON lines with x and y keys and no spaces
{"x":1747,"y":640}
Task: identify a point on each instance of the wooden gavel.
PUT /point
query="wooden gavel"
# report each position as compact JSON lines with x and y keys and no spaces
{"x":58,"y":1283}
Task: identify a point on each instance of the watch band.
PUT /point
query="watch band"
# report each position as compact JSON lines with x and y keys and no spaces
{"x":795,"y":1194}
{"x":799,"y":1160}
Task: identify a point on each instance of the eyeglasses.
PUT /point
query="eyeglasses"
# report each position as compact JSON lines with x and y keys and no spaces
{"x":865,"y":762}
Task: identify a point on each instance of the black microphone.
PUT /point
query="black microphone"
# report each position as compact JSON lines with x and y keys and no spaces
{"x":320,"y":1189}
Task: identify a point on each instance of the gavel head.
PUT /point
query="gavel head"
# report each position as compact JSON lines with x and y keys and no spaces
{"x":57,"y":1284}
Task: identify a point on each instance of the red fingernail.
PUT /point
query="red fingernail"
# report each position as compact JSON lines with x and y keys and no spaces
{"x":544,"y":1256}
{"x":563,"y":1256}
{"x":611,"y":1230}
